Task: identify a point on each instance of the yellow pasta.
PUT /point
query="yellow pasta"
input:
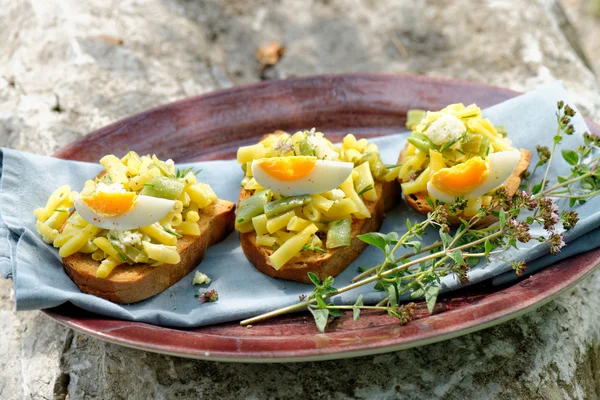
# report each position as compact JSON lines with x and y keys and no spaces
{"x":106,"y":267}
{"x":56,"y":198}
{"x":341,"y":209}
{"x":192,"y":216}
{"x":477,"y":126}
{"x":161,"y":253}
{"x":321,"y":202}
{"x":349,"y":142}
{"x":61,"y":238}
{"x":265,"y":240}
{"x":115,"y":170}
{"x":418,"y":185}
{"x":98,"y":255}
{"x":58,"y":217}
{"x":473,"y":205}
{"x":292,"y":247}
{"x":297,"y":224}
{"x":157,"y":232}
{"x":201,"y":194}
{"x":48,"y":234}
{"x":364,"y":182}
{"x":248,"y":153}
{"x":88,"y":247}
{"x":73,"y":245}
{"x":280,"y":221}
{"x":260,"y":224}
{"x":311,"y":212}
{"x":188,"y":228}
{"x":348,"y":188}
{"x":251,"y":184}
{"x":104,"y":244}
{"x":137,"y":182}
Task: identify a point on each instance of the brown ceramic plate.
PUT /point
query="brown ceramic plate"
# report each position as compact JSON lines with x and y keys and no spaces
{"x":213,"y":127}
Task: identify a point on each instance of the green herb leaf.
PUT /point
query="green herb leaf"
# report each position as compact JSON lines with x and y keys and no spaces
{"x":536,"y":188}
{"x":431,"y":294}
{"x":314,"y":278}
{"x":416,"y":294}
{"x":472,"y":261}
{"x":379,"y":240}
{"x":415,"y":244}
{"x":488,"y":246}
{"x":123,"y":257}
{"x":392,"y":295}
{"x":171,"y":232}
{"x":447,"y":145}
{"x":365,"y":190}
{"x":335,"y":312}
{"x":446,"y":239}
{"x":457,"y":256}
{"x":356,"y":308}
{"x":557,"y":139}
{"x":502,"y":218}
{"x":570,"y":156}
{"x":321,"y":316}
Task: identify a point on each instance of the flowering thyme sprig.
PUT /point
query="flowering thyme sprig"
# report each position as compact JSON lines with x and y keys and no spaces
{"x":417,"y":273}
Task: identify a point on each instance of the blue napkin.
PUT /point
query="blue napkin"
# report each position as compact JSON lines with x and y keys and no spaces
{"x":27,"y":180}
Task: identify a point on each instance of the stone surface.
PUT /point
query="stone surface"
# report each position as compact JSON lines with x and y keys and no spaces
{"x":70,"y":67}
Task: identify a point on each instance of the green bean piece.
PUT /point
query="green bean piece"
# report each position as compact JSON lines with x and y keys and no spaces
{"x":377,"y":167}
{"x":421,"y":142}
{"x":251,"y":207}
{"x":501,"y":129}
{"x":306,"y":149}
{"x":484,"y":147}
{"x":414,"y":117}
{"x":163,"y":187}
{"x":339,"y":233}
{"x":287,"y":203}
{"x":472,"y":144}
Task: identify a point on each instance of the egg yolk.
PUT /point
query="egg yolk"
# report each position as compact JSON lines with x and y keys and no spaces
{"x":110,"y":204}
{"x":461,"y":179}
{"x":288,"y":168}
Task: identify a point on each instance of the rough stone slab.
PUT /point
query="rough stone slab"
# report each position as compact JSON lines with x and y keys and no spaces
{"x":584,"y":17}
{"x":71,"y":67}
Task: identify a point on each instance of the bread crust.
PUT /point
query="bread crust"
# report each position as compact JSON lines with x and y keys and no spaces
{"x":132,"y":283}
{"x":418,"y":201}
{"x":334,"y":261}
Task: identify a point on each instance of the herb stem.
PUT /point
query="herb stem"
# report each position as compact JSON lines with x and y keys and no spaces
{"x":304,"y":304}
{"x":558,"y":129}
{"x":371,"y":271}
{"x":351,"y":307}
{"x":577,"y":196}
{"x":565,"y":183}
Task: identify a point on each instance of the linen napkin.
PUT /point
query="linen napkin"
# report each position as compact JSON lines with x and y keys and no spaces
{"x":27,"y":180}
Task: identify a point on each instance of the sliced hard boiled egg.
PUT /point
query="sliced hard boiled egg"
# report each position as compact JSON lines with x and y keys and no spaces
{"x":120,"y":211}
{"x":297,"y":175}
{"x":474,"y":177}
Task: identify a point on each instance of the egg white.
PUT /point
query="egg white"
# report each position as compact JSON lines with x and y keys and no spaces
{"x":325,"y":176}
{"x":500,"y":166}
{"x":146,"y":211}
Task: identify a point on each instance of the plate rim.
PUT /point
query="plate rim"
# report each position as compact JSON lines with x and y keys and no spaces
{"x":313,"y":354}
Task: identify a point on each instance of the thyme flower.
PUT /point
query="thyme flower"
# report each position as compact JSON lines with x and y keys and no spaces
{"x":569,"y":219}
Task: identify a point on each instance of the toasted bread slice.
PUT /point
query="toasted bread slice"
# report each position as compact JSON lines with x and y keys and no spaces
{"x":418,"y":201}
{"x":334,"y":261}
{"x":131,"y":283}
